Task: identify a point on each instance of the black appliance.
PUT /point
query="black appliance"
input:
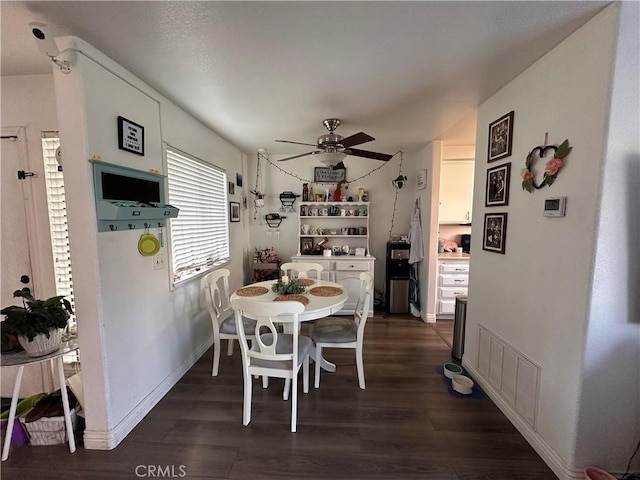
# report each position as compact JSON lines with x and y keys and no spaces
{"x":397,"y":277}
{"x":465,"y":242}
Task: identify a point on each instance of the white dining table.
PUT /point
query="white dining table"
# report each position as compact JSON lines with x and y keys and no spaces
{"x":318,"y":307}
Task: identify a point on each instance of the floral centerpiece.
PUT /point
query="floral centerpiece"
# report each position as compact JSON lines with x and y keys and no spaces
{"x":286,"y":286}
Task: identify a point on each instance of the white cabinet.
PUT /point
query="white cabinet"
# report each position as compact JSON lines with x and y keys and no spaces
{"x":456,"y":191}
{"x":453,"y":280}
{"x":341,"y":224}
{"x":345,"y":270}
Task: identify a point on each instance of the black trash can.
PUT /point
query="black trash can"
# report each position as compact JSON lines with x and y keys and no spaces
{"x":459,"y":324}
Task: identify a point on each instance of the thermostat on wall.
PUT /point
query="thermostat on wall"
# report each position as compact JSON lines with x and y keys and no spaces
{"x":555,"y":206}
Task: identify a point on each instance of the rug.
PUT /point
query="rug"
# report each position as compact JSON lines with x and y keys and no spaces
{"x":475,"y":393}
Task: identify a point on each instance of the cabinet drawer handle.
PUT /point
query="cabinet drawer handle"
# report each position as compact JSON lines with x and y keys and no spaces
{"x":461,"y":269}
{"x":459,"y":293}
{"x":458,"y":281}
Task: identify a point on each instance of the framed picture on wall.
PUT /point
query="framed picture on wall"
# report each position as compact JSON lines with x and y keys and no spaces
{"x":495,"y":232}
{"x":232,"y":188}
{"x":501,"y":137}
{"x":497,"y":188}
{"x":130,"y":136}
{"x":234,"y":211}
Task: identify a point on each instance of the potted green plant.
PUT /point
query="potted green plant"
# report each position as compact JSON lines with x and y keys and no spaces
{"x":38,"y":323}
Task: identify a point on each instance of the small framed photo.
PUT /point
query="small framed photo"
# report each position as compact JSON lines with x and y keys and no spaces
{"x":497,"y":189}
{"x":232,"y":188}
{"x":306,"y":245}
{"x":501,"y":137}
{"x":239,"y":179}
{"x":234,"y":211}
{"x":421,"y":179}
{"x":495,"y":232}
{"x":130,"y":136}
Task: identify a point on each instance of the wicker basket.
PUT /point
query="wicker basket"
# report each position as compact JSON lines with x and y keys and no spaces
{"x":50,"y":430}
{"x":41,"y":345}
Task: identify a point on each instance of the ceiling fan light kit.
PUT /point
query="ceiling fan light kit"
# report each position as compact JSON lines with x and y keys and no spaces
{"x":332,"y":148}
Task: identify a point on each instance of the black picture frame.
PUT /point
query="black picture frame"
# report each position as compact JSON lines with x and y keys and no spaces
{"x":500,"y":137}
{"x":130,"y":136}
{"x":329,"y":175}
{"x":232,"y":188}
{"x":497,"y":186}
{"x":239,"y":179}
{"x":495,"y":232}
{"x":306,"y":245}
{"x":234,"y":211}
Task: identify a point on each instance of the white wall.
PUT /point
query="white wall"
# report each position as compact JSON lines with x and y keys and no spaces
{"x":539,"y":297}
{"x":610,"y":397}
{"x":136,"y":336}
{"x":429,"y":158}
{"x":378,"y":184}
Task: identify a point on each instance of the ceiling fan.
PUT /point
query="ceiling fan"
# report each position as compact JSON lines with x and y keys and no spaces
{"x":331,"y":148}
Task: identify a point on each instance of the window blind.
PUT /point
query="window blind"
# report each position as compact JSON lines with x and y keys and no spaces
{"x":54,"y":181}
{"x":200,"y":234}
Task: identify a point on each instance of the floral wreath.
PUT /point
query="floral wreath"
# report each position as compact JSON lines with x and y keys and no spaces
{"x":551,"y":168}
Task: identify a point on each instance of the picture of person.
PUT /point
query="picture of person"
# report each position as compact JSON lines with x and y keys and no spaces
{"x":500,"y":137}
{"x":495,"y":231}
{"x":497,"y":189}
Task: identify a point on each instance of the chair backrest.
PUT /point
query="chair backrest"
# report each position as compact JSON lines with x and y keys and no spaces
{"x":361,"y":312}
{"x":266,"y":333}
{"x":216,"y":288}
{"x":302,"y":269}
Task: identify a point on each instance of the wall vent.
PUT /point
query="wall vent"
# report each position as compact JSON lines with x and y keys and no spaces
{"x":510,"y":373}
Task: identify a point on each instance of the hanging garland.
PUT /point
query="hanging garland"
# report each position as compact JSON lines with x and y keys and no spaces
{"x":398,"y":183}
{"x":347,"y":182}
{"x":551,"y":168}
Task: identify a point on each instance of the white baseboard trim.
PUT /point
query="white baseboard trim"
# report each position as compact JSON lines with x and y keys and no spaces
{"x":548,"y":455}
{"x":430,"y":318}
{"x":110,"y":439}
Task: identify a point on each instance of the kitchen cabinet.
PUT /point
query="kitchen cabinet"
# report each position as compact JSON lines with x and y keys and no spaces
{"x":453,"y":280}
{"x":345,"y":270}
{"x":456,"y":191}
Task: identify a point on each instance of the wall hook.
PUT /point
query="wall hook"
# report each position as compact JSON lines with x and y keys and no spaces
{"x":113,"y":228}
{"x":132,"y":226}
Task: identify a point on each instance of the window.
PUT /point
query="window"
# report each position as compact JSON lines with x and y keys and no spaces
{"x":200,"y":234}
{"x":54,"y":182}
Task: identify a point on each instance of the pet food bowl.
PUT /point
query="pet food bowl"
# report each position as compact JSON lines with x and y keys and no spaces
{"x":451,"y":370}
{"x":462,"y":384}
{"x":594,"y":473}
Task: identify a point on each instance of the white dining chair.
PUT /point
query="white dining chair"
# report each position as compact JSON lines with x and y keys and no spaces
{"x":335,"y":332}
{"x":216,"y":288}
{"x":301,"y":269}
{"x":272,"y":353}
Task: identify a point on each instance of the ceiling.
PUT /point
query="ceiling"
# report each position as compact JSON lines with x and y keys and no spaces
{"x":404,"y":72}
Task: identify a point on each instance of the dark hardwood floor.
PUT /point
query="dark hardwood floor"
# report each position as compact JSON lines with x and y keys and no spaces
{"x":405,"y":425}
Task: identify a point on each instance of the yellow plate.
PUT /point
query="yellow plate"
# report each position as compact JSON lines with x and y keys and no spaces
{"x":148,"y":245}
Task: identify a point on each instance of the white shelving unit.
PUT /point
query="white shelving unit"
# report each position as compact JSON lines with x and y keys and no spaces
{"x":350,"y":226}
{"x":344,"y":269}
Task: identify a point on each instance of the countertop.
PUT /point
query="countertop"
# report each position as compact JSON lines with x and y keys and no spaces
{"x":453,"y":256}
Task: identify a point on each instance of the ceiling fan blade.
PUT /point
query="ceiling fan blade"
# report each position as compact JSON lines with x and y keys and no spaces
{"x":339,"y":166}
{"x":364,"y":153}
{"x":297,"y":143}
{"x":356,"y":139}
{"x":297,"y":156}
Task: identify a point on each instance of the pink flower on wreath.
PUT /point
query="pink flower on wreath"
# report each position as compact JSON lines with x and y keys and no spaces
{"x":527,"y":175}
{"x":553,"y":165}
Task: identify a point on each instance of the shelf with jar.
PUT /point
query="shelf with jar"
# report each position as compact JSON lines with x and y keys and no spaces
{"x":335,"y":222}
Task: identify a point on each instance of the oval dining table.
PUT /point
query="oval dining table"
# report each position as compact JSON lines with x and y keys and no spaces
{"x":318,"y":306}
